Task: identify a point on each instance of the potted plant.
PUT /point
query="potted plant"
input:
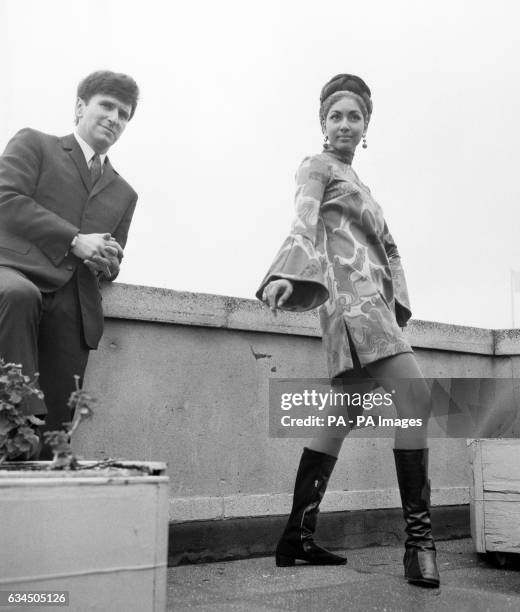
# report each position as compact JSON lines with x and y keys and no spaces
{"x":91,"y":533}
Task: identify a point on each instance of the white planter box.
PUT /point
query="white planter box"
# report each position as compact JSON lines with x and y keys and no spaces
{"x":102,"y":535}
{"x":495,"y":495}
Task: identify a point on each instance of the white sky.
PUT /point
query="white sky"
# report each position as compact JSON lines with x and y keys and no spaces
{"x":229,"y":107}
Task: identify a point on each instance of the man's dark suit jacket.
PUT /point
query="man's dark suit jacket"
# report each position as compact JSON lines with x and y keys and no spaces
{"x":46,"y":198}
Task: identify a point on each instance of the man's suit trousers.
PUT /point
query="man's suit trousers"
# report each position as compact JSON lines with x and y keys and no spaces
{"x":43,"y":332}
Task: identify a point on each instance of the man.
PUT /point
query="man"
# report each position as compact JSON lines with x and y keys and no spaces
{"x":64,"y":219}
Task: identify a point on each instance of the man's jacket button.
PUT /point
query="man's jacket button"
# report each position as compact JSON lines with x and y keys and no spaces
{"x":69,"y":267}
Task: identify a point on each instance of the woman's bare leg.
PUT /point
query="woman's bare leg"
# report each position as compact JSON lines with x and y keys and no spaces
{"x":329,"y":446}
{"x":412,"y":399}
{"x":332,"y":445}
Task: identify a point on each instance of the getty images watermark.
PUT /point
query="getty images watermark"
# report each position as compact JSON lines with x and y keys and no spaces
{"x":454,"y":407}
{"x":330,"y":400}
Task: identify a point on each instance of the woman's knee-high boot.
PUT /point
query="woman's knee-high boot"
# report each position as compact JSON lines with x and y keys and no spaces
{"x":297,"y":542}
{"x":420,"y":565}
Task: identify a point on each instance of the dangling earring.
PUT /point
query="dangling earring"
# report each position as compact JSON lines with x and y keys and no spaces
{"x":364,"y":145}
{"x":325,"y":140}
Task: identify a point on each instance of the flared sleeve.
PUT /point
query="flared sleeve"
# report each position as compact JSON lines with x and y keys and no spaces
{"x":403,"y":311}
{"x":298,"y":259}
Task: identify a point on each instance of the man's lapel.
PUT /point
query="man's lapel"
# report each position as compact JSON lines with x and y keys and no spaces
{"x":109,"y":174}
{"x":70,"y":144}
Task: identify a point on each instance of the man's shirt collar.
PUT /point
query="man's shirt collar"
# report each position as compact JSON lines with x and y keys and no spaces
{"x":88,"y":151}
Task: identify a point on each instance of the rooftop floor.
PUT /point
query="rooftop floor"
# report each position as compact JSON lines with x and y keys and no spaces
{"x":372,"y":580}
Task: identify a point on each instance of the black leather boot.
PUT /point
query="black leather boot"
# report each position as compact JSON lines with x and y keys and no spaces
{"x":296,"y":542}
{"x":420,"y":565}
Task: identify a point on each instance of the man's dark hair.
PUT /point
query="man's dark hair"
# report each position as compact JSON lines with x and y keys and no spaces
{"x":121,"y":86}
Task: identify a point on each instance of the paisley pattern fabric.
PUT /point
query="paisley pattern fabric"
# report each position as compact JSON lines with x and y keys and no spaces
{"x":341,"y":256}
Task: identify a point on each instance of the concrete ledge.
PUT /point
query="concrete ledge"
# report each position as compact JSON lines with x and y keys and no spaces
{"x":237,"y":506}
{"x":203,"y":541}
{"x":457,"y":338}
{"x":507,"y":341}
{"x":184,"y":308}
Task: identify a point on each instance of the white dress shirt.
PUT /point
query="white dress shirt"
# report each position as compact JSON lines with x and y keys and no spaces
{"x":89,"y":152}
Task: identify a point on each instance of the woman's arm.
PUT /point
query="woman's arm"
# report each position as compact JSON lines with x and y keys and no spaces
{"x":298,"y":260}
{"x":402,"y":301}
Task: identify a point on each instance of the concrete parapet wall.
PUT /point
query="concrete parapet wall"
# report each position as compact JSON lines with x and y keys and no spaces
{"x":183,"y":378}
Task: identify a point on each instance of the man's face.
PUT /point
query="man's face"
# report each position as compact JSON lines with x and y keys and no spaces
{"x":101,"y":120}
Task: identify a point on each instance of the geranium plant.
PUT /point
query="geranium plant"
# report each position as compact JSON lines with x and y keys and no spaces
{"x":19,"y":435}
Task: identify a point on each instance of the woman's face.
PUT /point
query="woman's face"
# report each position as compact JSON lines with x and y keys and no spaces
{"x":344,"y":125}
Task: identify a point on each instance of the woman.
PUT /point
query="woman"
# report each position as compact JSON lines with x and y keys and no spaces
{"x":341,"y":255}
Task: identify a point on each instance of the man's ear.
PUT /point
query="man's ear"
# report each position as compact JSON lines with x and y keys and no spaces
{"x":79,"y":108}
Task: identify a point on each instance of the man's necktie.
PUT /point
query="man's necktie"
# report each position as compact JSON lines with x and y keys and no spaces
{"x":95,"y":168}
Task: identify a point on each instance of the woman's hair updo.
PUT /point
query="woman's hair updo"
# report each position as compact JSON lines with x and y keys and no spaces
{"x":340,"y":85}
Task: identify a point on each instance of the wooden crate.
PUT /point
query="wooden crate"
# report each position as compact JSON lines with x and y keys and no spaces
{"x":495,"y":495}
